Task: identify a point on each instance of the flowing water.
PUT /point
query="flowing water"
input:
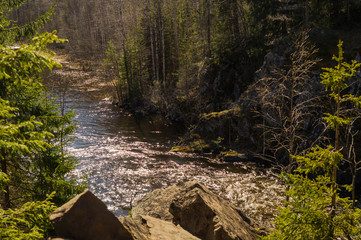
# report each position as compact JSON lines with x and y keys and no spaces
{"x":125,"y":157}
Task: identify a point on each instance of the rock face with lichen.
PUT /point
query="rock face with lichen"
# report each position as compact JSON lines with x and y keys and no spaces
{"x":181,"y":212}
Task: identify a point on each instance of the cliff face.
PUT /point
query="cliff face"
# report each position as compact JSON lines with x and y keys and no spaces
{"x":188,"y":211}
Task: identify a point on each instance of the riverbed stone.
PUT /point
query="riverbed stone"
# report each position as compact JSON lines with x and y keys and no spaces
{"x":85,"y":217}
{"x":197,"y":210}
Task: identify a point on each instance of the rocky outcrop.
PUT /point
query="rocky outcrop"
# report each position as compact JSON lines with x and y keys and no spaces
{"x":85,"y":217}
{"x":182,"y":212}
{"x":197,"y":210}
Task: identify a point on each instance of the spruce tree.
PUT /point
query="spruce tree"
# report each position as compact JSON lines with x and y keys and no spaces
{"x":40,"y":166}
{"x":32,"y":131}
{"x":29,"y":221}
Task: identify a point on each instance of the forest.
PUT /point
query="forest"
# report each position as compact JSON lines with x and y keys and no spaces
{"x":274,"y":81}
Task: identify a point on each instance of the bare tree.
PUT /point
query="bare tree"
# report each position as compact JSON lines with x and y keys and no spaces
{"x":288,"y":106}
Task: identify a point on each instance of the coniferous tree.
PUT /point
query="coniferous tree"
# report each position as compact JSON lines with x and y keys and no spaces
{"x":30,"y":221}
{"x":39,"y":168}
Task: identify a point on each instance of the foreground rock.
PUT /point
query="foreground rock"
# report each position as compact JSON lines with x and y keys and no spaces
{"x":146,"y":227}
{"x":197,"y":210}
{"x":182,"y":212}
{"x":86,"y":217}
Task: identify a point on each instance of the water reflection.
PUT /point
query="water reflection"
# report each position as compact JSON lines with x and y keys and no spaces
{"x":126,"y":157}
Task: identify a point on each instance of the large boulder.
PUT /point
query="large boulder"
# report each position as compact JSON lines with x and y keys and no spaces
{"x":85,"y":217}
{"x":197,"y":210}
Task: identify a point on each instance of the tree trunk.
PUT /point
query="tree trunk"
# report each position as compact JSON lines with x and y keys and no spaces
{"x":306,"y":7}
{"x":208,"y":9}
{"x":348,"y":11}
{"x":353,"y":188}
{"x":176,"y":36}
{"x":152,"y":47}
{"x":156,"y":52}
{"x":235,"y":21}
{"x":163,"y":56}
{"x":156,"y":40}
{"x":127,"y":74}
{"x":334,"y":173}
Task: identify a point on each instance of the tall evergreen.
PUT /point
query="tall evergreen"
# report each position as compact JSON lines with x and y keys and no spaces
{"x":34,"y":131}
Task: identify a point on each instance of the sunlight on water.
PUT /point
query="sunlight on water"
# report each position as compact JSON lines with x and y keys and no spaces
{"x":124,"y":158}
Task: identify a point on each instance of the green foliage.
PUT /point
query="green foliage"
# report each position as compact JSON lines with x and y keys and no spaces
{"x":21,"y":136}
{"x":218,"y":141}
{"x":120,"y":67}
{"x":112,"y":56}
{"x":36,"y":129}
{"x":318,"y":160}
{"x":28,"y":222}
{"x":307,"y":214}
{"x":333,"y":121}
{"x":196,"y":146}
{"x":33,"y":132}
{"x":19,"y":67}
{"x":51,"y":166}
{"x":229,"y":113}
{"x":334,"y":78}
{"x":4,"y":181}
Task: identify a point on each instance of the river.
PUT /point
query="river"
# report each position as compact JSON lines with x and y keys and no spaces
{"x":124,"y":157}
